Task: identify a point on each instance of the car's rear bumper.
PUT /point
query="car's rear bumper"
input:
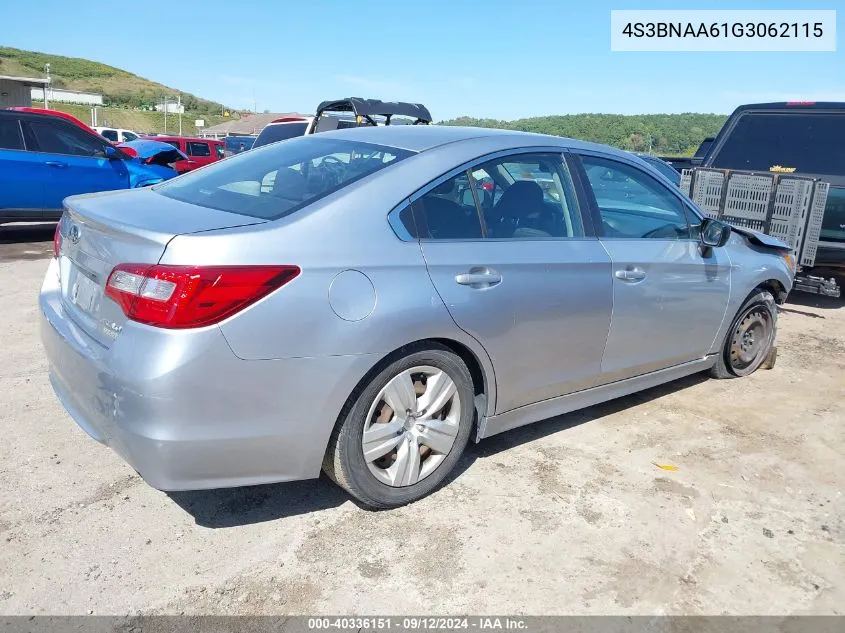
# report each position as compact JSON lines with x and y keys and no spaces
{"x":185,"y":412}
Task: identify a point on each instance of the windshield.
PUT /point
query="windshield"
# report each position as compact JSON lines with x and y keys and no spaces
{"x":812,"y":143}
{"x":280,"y":132}
{"x":277,"y":180}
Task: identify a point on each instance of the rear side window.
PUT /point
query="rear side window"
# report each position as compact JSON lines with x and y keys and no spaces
{"x":196,"y":148}
{"x":277,"y":180}
{"x":173,"y":143}
{"x":808,"y":142}
{"x":279,"y":132}
{"x":10,"y":134}
{"x":525,"y":196}
{"x":128,"y":136}
{"x":219,"y":150}
{"x":109,"y":134}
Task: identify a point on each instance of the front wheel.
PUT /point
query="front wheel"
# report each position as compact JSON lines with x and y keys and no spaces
{"x":750,"y":338}
{"x":403,"y":432}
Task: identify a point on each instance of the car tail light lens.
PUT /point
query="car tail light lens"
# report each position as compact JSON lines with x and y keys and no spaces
{"x":178,"y":297}
{"x":57,"y":239}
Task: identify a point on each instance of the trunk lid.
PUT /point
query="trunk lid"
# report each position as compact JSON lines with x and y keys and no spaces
{"x":100,"y":231}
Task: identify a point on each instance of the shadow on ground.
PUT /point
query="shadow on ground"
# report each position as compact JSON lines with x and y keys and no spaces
{"x":26,"y":242}
{"x":255,"y":504}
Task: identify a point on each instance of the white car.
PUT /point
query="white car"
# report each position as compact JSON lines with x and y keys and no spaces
{"x":117,"y":135}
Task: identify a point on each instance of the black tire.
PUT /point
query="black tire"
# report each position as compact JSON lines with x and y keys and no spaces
{"x":344,"y":461}
{"x":759,"y":308}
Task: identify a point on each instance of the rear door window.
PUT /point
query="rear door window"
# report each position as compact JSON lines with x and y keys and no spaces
{"x":10,"y":134}
{"x":129,"y":136}
{"x":277,"y":180}
{"x":196,"y":148}
{"x":811,"y":143}
{"x":219,"y":150}
{"x":110,"y":134}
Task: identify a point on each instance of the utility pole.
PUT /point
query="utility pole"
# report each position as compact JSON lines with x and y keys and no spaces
{"x":179,"y":110}
{"x":254,"y":102}
{"x":46,"y":86}
{"x":165,"y":114}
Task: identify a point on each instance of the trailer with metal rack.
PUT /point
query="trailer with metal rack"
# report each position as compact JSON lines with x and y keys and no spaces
{"x":783,"y":205}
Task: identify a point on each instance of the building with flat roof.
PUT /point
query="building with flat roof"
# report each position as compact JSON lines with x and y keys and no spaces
{"x":17,"y":91}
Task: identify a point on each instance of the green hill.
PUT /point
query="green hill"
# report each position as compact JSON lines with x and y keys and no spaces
{"x":118,"y":87}
{"x":664,"y":134}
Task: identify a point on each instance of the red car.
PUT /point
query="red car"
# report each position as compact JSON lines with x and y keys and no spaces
{"x":200,"y":151}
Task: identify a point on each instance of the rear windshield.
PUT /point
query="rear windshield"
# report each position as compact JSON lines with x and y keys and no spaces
{"x":279,"y":132}
{"x":277,"y":180}
{"x":808,"y":142}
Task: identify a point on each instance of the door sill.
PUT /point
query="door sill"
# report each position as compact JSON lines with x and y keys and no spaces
{"x":527,"y":414}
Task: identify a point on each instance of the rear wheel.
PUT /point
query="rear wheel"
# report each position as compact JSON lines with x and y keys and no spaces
{"x":403,"y":432}
{"x":750,"y":339}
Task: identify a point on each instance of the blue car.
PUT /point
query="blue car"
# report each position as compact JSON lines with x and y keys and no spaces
{"x":44,"y":159}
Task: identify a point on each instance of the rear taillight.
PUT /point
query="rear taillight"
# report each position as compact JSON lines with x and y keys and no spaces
{"x":178,"y":297}
{"x":57,"y":239}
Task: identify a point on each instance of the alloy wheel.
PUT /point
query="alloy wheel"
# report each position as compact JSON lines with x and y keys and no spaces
{"x":411,"y":426}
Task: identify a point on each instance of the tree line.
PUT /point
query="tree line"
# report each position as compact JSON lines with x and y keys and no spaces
{"x":662,"y":134}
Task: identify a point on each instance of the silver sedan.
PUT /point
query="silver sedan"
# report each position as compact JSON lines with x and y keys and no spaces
{"x":364,"y":302}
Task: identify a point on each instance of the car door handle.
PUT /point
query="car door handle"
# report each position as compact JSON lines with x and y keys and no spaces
{"x":630,"y":274}
{"x":479,"y":278}
{"x":57,"y":164}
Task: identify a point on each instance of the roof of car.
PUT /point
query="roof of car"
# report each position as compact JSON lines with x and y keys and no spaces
{"x":419,"y":138}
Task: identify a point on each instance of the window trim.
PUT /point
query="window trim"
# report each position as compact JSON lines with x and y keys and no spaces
{"x":586,"y":220}
{"x":690,"y":211}
{"x":68,"y":126}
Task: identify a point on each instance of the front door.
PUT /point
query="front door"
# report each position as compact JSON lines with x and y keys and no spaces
{"x":669,"y":297}
{"x":75,"y":161}
{"x":507,"y":251}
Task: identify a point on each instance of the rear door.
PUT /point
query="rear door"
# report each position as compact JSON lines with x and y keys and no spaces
{"x":22,"y":175}
{"x":201,"y":153}
{"x":75,"y":161}
{"x":519,"y":271}
{"x":669,"y":299}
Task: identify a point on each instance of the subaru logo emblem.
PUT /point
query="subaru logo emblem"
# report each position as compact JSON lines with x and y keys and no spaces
{"x":74,"y":234}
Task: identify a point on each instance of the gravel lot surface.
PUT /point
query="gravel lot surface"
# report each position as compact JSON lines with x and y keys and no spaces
{"x":571,"y":515}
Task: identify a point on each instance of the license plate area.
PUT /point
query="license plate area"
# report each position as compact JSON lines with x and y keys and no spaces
{"x":83,"y":290}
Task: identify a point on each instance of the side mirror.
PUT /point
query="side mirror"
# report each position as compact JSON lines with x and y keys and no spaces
{"x":111,"y":152}
{"x":714,"y":233}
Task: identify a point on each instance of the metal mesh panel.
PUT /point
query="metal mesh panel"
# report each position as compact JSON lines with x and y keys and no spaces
{"x":686,"y":181}
{"x":756,"y":225}
{"x":748,"y":197}
{"x":707,"y":191}
{"x":789,"y":212}
{"x":814,"y":224}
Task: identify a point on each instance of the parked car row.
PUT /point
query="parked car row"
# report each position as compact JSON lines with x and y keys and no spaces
{"x":46,"y":158}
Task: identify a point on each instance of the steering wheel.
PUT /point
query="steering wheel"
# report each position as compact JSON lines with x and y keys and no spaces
{"x":333,"y":169}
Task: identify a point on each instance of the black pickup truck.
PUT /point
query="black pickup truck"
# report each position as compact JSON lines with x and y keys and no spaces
{"x":802,"y":138}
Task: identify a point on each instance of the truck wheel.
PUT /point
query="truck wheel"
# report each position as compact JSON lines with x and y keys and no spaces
{"x":750,"y":339}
